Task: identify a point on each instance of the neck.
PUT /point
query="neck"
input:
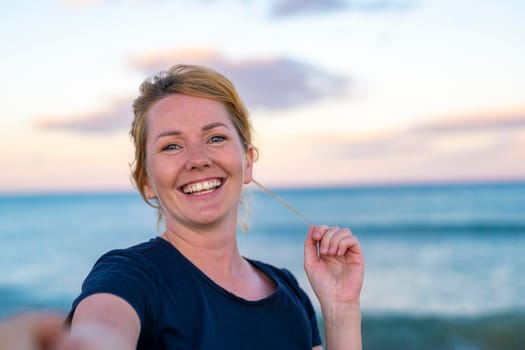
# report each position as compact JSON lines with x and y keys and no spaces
{"x":213,"y":250}
{"x":216,"y":254}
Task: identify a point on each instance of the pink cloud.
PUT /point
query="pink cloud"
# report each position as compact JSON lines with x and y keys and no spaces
{"x":115,"y":117}
{"x":475,"y":148}
{"x":499,"y":128}
{"x":272,"y":83}
{"x":483,"y":122}
{"x":275,"y":83}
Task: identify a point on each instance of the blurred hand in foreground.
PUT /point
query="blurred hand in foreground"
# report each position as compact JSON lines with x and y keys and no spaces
{"x":31,"y":331}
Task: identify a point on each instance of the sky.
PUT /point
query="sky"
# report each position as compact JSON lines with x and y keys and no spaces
{"x":340,"y":92}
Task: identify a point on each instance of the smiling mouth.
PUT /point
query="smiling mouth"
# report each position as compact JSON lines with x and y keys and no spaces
{"x":201,"y":187}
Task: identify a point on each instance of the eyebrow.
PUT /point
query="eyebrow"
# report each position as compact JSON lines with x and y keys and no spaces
{"x":178,"y":132}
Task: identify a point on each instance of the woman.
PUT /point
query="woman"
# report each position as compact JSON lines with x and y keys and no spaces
{"x":190,"y":288}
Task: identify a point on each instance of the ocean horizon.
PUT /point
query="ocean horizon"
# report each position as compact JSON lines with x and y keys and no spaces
{"x":444,"y":261}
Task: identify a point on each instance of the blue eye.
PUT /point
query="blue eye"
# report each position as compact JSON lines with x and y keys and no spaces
{"x":171,"y":147}
{"x":217,"y":139}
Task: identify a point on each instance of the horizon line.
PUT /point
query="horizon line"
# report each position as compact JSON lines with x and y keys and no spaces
{"x":284,"y":187}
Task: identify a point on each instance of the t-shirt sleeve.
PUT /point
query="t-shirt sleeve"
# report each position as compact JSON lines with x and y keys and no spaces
{"x":308,"y":307}
{"x":125,"y":274}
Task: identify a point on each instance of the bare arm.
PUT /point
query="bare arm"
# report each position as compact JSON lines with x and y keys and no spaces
{"x":103,"y":322}
{"x":336,"y":276}
{"x":343,"y":327}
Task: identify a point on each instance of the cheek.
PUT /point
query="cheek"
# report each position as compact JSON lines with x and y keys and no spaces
{"x":163,"y":172}
{"x":151,"y":175}
{"x":154,"y":173}
{"x":149,"y":184}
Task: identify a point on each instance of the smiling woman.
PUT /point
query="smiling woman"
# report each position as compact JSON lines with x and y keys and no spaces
{"x":190,"y":287}
{"x":195,"y":161}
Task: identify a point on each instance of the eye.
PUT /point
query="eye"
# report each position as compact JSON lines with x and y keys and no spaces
{"x":171,"y":147}
{"x":217,"y":139}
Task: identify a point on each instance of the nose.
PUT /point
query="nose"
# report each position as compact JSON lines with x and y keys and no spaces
{"x":197,"y":157}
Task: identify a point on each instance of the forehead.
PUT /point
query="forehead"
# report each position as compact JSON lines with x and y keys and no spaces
{"x":187,"y":110}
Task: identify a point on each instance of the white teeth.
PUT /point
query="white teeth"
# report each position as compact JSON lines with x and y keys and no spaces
{"x":202,"y":186}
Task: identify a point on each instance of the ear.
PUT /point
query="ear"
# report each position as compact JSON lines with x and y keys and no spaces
{"x":248,"y":167}
{"x":149,"y":192}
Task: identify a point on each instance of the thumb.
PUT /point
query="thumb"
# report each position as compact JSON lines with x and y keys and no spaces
{"x":310,"y":247}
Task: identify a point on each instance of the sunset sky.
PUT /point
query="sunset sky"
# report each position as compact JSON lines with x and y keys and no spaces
{"x":340,"y":91}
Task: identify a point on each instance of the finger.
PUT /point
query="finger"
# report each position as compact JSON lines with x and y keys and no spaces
{"x":345,"y":244}
{"x":319,"y":231}
{"x":350,"y":245}
{"x":336,"y":238}
{"x":314,"y":237}
{"x":328,"y":235}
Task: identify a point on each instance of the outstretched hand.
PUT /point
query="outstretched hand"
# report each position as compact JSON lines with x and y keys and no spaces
{"x":31,"y":331}
{"x":336,"y":274}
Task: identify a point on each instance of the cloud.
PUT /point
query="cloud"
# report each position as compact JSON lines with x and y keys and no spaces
{"x":468,"y":136}
{"x":284,"y":8}
{"x":115,"y":117}
{"x":266,"y":83}
{"x":288,"y":7}
{"x":82,"y":3}
{"x":280,"y":9}
{"x":478,"y":123}
{"x":469,"y":150}
{"x":271,"y":83}
{"x":380,"y":145}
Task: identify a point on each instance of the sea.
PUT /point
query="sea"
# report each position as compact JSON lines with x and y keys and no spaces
{"x":445,"y":263}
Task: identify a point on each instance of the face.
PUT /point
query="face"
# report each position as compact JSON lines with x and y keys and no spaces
{"x":195,"y":161}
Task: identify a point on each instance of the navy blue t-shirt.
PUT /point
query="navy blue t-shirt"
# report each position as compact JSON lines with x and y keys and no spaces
{"x":181,"y":308}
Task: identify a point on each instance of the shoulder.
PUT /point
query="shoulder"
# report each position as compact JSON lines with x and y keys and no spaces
{"x":139,"y":255}
{"x":124,"y":270}
{"x":280,"y":275}
{"x":127,"y":273}
{"x":121,"y":267}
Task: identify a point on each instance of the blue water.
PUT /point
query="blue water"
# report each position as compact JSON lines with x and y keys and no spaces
{"x":444,"y":263}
